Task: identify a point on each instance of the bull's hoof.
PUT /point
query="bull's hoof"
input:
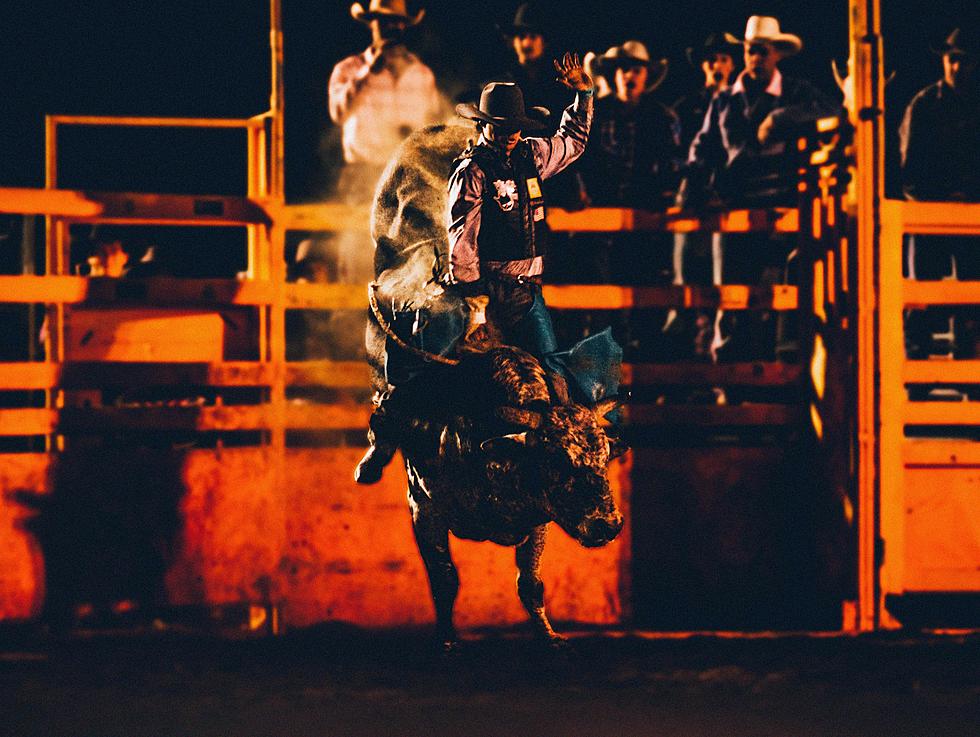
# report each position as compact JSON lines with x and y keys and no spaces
{"x":372,"y":465}
{"x":557,"y":643}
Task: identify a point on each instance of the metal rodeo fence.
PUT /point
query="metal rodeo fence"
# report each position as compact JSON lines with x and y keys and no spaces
{"x":162,"y":452}
{"x":272,"y":525}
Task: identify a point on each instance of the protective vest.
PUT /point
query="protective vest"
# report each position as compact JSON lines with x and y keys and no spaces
{"x":512,"y":219}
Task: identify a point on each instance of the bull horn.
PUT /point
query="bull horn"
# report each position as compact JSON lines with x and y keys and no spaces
{"x":604,"y":406}
{"x":520,"y":438}
{"x":838,"y":78}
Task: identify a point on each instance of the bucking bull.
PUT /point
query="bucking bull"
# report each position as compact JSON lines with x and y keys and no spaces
{"x":496,"y":449}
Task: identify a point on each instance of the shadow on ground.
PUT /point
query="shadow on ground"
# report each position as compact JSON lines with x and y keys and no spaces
{"x":347,"y":682}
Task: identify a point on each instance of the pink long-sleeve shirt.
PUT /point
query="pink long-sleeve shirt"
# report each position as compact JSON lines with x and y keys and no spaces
{"x":377,"y":110}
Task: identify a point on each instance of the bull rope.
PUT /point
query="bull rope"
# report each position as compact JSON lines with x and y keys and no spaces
{"x":386,"y":328}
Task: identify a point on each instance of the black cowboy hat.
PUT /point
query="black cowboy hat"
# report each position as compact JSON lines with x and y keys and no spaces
{"x":962,"y":41}
{"x":502,"y":103}
{"x":527,"y":19}
{"x":715,"y":43}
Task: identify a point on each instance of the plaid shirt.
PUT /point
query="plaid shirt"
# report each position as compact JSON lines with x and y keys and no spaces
{"x":377,"y":110}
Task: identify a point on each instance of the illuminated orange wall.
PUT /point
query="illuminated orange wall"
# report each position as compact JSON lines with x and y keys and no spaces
{"x":324,"y":548}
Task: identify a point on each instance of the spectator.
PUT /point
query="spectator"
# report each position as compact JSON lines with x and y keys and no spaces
{"x":689,"y":331}
{"x":383,"y":93}
{"x":532,"y":68}
{"x":745,"y":131}
{"x":749,"y":123}
{"x":940,"y":150}
{"x":120,"y":251}
{"x":632,"y":161}
{"x":635,"y":141}
{"x":715,"y":58}
{"x":378,"y":97}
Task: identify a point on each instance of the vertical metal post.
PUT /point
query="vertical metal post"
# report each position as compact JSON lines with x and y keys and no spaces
{"x":276,"y":102}
{"x":866,"y":196}
{"x":55,"y":245}
{"x":273,"y":257}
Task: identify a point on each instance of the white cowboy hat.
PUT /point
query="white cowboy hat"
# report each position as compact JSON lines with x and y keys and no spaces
{"x":385,"y":9}
{"x":631,"y":53}
{"x":765,"y":29}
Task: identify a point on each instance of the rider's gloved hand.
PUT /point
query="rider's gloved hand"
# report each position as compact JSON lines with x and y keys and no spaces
{"x":478,"y":313}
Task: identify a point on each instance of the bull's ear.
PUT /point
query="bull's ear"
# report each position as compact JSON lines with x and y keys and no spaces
{"x":617,"y":447}
{"x":507,"y":442}
{"x":604,"y":406}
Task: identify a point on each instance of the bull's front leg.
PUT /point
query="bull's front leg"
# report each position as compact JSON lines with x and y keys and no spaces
{"x":530,"y":587}
{"x":432,"y":538}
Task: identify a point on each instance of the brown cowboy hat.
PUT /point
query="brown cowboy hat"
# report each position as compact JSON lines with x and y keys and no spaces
{"x":502,"y":103}
{"x":630,"y":54}
{"x":765,"y":29}
{"x":385,"y":10}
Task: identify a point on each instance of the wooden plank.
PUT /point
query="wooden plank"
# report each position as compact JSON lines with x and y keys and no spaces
{"x":609,"y":297}
{"x":339,"y":374}
{"x":327,"y":416}
{"x":66,"y":203}
{"x":925,"y":293}
{"x":941,"y":218}
{"x":782,"y":220}
{"x":942,"y":413}
{"x":102,"y":419}
{"x":604,"y":220}
{"x":155,"y":122}
{"x":158,"y":291}
{"x":611,"y":220}
{"x":92,"y":374}
{"x":331,"y":217}
{"x":714,"y":415}
{"x":32,"y":375}
{"x":156,"y":209}
{"x":345,"y":374}
{"x":27,"y":421}
{"x":706,"y":374}
{"x":133,"y":207}
{"x":321,"y":216}
{"x":326,"y":296}
{"x":942,"y":371}
{"x":932,"y":453}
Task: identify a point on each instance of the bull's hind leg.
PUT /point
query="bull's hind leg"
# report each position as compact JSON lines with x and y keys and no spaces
{"x":530,"y":587}
{"x":432,"y":538}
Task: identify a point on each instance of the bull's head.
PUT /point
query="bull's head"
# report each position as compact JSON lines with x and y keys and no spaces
{"x":568,"y":453}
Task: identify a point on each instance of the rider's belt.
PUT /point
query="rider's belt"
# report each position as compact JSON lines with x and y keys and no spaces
{"x":517,"y":278}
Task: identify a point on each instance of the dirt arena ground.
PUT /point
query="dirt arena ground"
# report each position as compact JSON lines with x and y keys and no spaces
{"x":347,"y":683}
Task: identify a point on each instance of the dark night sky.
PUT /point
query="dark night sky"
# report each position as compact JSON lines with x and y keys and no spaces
{"x":211,"y":58}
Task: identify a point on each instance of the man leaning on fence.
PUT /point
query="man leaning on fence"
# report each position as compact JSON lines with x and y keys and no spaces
{"x":940,"y":147}
{"x":689,"y":332}
{"x":743,"y":155}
